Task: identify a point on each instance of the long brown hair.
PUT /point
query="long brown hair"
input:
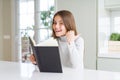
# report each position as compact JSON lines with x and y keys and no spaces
{"x":68,"y":20}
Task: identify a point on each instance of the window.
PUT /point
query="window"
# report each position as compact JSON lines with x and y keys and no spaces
{"x":108,"y":23}
{"x":26,"y":17}
{"x":34,"y":20}
{"x":115,"y":21}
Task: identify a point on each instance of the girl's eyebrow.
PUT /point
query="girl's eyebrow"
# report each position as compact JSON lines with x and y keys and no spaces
{"x":58,"y":21}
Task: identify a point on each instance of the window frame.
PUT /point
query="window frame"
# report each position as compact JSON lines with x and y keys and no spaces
{"x":17,"y":35}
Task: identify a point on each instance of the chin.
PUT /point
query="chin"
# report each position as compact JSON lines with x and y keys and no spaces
{"x":58,"y":35}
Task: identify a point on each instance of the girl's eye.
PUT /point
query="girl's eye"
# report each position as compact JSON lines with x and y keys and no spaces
{"x":54,"y":23}
{"x":61,"y":23}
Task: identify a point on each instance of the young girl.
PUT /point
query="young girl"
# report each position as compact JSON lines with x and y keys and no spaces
{"x":70,"y":43}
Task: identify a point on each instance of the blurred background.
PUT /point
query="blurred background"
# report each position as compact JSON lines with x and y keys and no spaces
{"x":98,"y":22}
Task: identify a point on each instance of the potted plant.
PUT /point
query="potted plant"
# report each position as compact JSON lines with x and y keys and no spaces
{"x":114,"y":42}
{"x":46,"y":17}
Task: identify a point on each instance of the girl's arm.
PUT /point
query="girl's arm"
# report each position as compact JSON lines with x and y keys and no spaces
{"x":76,"y":50}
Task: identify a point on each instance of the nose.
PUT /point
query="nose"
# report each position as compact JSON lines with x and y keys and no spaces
{"x":57,"y":25}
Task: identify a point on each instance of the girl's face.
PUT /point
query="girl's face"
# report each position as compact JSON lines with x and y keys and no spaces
{"x":59,"y":27}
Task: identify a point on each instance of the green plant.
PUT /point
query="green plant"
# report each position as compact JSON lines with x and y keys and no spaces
{"x":46,"y":17}
{"x":115,"y":37}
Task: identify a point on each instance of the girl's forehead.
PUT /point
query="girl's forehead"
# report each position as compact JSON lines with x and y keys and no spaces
{"x":58,"y":18}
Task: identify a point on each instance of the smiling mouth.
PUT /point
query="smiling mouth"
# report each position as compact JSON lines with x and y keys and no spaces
{"x":58,"y":31}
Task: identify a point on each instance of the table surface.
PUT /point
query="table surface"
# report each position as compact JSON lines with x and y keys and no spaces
{"x":28,"y":71}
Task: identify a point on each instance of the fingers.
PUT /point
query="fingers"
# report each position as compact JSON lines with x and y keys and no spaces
{"x":32,"y":59}
{"x":70,"y":36}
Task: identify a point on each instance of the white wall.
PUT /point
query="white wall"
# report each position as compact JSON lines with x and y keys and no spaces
{"x":109,"y":64}
{"x":84,"y":12}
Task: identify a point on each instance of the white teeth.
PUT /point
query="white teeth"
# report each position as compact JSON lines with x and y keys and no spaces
{"x":58,"y":30}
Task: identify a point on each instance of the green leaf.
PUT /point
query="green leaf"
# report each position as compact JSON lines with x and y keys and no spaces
{"x":115,"y":37}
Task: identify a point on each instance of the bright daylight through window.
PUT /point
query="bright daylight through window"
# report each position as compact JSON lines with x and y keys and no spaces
{"x":34,"y":20}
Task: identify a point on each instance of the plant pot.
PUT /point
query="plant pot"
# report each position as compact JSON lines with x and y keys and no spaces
{"x":25,"y":44}
{"x":114,"y":46}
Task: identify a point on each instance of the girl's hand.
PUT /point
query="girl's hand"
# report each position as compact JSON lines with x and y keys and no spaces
{"x":70,"y":36}
{"x":32,"y":59}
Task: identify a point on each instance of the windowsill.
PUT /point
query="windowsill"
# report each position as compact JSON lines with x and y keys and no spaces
{"x":104,"y":53}
{"x":109,"y":55}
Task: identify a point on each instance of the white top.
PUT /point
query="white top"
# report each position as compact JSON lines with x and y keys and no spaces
{"x":25,"y":71}
{"x":71,"y":54}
